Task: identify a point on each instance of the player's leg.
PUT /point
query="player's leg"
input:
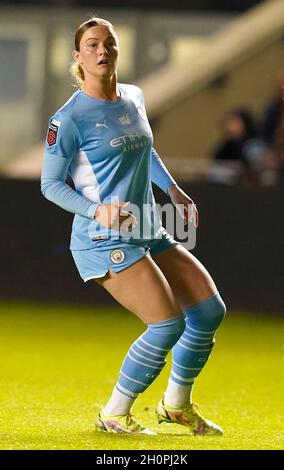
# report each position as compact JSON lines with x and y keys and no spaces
{"x":204,"y":310}
{"x":143,"y":289}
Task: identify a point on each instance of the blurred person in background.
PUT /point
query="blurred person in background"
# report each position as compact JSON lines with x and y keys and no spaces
{"x":102,"y":137}
{"x":273,"y":126}
{"x":242,"y":157}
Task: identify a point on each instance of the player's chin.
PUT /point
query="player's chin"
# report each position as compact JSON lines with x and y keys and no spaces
{"x":105,"y":69}
{"x":105,"y":73}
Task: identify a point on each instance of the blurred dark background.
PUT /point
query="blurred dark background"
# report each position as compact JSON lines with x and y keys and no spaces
{"x":214,"y":5}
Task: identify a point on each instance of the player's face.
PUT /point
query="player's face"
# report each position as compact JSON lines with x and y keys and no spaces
{"x":99,"y":51}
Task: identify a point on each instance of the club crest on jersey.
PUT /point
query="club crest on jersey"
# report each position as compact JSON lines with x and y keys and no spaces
{"x":117,"y":256}
{"x":52,"y":132}
{"x":142,"y":113}
{"x":124,"y":120}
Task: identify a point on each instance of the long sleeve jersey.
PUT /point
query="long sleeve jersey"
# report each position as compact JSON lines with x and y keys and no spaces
{"x":107,"y":148}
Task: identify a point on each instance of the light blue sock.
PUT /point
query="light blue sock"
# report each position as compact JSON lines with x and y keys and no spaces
{"x":146,"y":357}
{"x":193,"y":349}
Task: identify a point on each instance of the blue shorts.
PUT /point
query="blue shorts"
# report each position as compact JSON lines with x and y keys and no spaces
{"x":116,"y":255}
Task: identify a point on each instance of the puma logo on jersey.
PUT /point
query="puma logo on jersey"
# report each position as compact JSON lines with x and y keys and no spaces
{"x":101,"y":124}
{"x":124,"y":120}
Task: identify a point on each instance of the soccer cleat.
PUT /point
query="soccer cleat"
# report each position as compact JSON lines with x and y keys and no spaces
{"x":190,"y":417}
{"x":125,"y":424}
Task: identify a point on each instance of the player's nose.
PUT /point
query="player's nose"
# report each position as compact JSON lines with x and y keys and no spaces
{"x":102,"y":50}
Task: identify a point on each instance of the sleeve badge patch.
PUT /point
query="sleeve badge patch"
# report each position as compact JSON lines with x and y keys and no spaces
{"x":52,"y":132}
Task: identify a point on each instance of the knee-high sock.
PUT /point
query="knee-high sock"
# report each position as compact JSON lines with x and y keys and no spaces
{"x":143,"y":363}
{"x":193,"y":349}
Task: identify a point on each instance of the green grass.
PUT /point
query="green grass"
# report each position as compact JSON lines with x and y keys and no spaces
{"x":59,"y":365}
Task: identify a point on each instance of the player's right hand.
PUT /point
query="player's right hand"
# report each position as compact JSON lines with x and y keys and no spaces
{"x":114,"y":216}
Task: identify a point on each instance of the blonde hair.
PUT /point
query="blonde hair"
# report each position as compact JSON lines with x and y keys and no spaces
{"x":76,"y":69}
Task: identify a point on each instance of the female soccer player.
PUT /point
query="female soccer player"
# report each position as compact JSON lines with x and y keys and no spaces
{"x":102,"y":137}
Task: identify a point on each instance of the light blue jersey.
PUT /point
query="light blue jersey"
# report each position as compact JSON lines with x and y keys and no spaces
{"x":107,"y":148}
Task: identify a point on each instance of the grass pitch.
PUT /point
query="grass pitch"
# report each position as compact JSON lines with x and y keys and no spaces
{"x":60,"y":363}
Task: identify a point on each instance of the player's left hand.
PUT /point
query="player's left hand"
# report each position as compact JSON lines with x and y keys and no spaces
{"x":184,"y":204}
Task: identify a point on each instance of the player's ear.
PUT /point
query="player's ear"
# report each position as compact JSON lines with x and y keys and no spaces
{"x":76,"y":56}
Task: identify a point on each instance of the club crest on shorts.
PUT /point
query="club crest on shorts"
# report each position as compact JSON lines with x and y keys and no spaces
{"x":117,"y":256}
{"x":52,"y":132}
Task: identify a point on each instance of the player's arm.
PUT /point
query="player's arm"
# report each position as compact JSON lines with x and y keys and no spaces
{"x":62,"y":144}
{"x":162,"y":178}
{"x":160,"y":174}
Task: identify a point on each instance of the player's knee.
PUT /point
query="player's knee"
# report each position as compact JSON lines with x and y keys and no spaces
{"x":218,"y":311}
{"x":169,"y":331}
{"x":178,"y":326}
{"x":207,"y":315}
